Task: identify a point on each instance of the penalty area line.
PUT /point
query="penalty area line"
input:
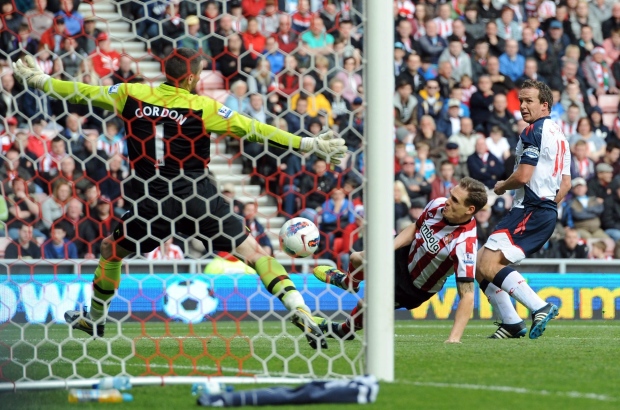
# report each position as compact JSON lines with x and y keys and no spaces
{"x":510,"y":389}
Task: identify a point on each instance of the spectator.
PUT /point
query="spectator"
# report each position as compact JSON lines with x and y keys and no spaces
{"x":428,"y":133}
{"x":351,"y":240}
{"x":48,"y":166}
{"x":52,"y":38}
{"x":316,"y":102}
{"x":87,"y":40}
{"x":443,"y":21}
{"x":458,"y":59}
{"x":440,"y":187}
{"x":600,"y":187}
{"x":571,"y":119}
{"x":73,"y":19}
{"x":317,"y":39}
{"x":91,"y":197}
{"x":586,"y":211}
{"x":430,"y":101}
{"x":473,"y":24}
{"x":14,"y":168}
{"x":54,"y":206}
{"x":261,"y":78}
{"x":22,"y":42}
{"x":274,"y":55}
{"x":530,"y":72}
{"x":111,"y":141}
{"x":586,"y":44}
{"x":59,"y":247}
{"x":257,"y":230}
{"x":302,"y":18}
{"x":24,"y":247}
{"x":39,"y":19}
{"x":105,"y":60}
{"x":581,"y":165}
{"x":423,"y":164}
{"x":445,"y":80}
{"x":80,"y":231}
{"x":431,"y":44}
{"x":239,"y":22}
{"x":288,"y":79}
{"x":601,"y":9}
{"x":193,"y":38}
{"x":104,"y":217}
{"x":479,"y":60}
{"x":405,"y":113}
{"x":286,"y":36}
{"x":501,"y":82}
{"x":465,"y":139}
{"x":611,"y":156}
{"x":70,"y":60}
{"x":450,"y":123}
{"x":11,"y":18}
{"x":612,"y":49}
{"x":341,"y":108}
{"x":481,"y":101}
{"x":22,"y":209}
{"x":167,"y":251}
{"x":459,"y":33}
{"x":558,"y":40}
{"x":93,"y":158}
{"x":110,"y":186}
{"x":557,"y":110}
{"x":268,"y":19}
{"x":350,"y":78}
{"x":498,"y":145}
{"x":299,"y":118}
{"x":411,"y":73}
{"x":347,"y":34}
{"x":582,"y":18}
{"x":500,"y":117}
{"x":598,"y":74}
{"x":225,"y":31}
{"x":610,"y":218}
{"x":452,"y":156}
{"x":404,"y":37}
{"x":313,"y":189}
{"x":571,"y":247}
{"x":484,"y":166}
{"x":72,"y":174}
{"x":497,"y":44}
{"x":235,"y":63}
{"x":124,"y":74}
{"x":511,"y":62}
{"x":507,"y":27}
{"x":548,"y":63}
{"x":486,"y":11}
{"x":596,"y":145}
{"x":417,"y":186}
{"x":526,"y":45}
{"x":253,"y":40}
{"x":402,"y":203}
{"x":256,"y":109}
{"x":613,"y":23}
{"x":599,"y":251}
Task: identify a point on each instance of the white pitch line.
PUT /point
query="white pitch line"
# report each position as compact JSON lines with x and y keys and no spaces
{"x":510,"y":389}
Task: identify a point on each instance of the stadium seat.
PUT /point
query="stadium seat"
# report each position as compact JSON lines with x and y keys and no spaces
{"x":609,"y":118}
{"x":609,"y":103}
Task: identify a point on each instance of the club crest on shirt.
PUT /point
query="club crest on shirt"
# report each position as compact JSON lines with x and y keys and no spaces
{"x":448,"y":238}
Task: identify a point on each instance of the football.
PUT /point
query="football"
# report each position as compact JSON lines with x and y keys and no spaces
{"x":299,"y":237}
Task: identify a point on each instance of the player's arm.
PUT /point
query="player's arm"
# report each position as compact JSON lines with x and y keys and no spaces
{"x":464,"y":257}
{"x":406,"y":237}
{"x":565,"y":184}
{"x":108,"y":98}
{"x":519,"y":177}
{"x":221,"y":119}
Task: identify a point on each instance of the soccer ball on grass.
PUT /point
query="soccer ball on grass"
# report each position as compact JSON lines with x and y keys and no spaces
{"x":299,"y":237}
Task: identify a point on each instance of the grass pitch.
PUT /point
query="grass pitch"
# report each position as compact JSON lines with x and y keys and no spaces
{"x":575,"y":365}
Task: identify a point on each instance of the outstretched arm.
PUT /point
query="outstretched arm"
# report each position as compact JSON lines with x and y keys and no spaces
{"x":463,"y":311}
{"x":520,"y":177}
{"x":406,"y":237}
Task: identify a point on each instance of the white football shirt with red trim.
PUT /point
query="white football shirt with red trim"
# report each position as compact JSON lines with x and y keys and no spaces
{"x":440,"y":249}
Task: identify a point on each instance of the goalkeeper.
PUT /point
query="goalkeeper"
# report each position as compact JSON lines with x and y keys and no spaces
{"x":168,"y":142}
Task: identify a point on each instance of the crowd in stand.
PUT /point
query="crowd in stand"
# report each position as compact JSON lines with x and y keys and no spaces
{"x":297,"y":65}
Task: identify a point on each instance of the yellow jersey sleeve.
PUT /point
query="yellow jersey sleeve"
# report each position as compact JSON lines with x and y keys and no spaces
{"x":220,"y":119}
{"x":110,"y":98}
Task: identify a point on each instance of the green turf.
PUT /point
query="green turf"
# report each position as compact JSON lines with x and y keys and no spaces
{"x":573,"y":366}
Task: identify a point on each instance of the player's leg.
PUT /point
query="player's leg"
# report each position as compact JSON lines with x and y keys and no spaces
{"x":511,"y":325}
{"x":277,"y":281}
{"x":106,"y":281}
{"x":348,"y":281}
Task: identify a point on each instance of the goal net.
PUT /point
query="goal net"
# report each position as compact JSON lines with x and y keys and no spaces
{"x":181,"y":309}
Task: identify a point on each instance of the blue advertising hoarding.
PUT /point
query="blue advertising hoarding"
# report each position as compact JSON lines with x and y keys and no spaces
{"x":42,"y":298}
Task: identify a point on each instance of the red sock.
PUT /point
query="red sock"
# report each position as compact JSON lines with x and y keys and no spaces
{"x":356,"y":320}
{"x":354,"y":278}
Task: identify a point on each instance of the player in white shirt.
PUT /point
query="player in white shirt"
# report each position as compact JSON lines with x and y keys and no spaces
{"x":442,"y":242}
{"x":541,"y":179}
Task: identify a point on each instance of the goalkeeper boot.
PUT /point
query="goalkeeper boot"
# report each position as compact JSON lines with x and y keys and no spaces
{"x":302,"y":318}
{"x":540,"y":319}
{"x":332,"y":329}
{"x":334,"y":277}
{"x":81,"y":321}
{"x":509,"y":331}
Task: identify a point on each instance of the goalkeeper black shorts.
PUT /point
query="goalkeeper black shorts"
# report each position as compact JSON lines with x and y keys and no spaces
{"x":203,"y":214}
{"x":406,"y":295}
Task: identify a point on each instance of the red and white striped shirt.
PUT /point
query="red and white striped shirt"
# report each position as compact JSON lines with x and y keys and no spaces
{"x":174,"y":253}
{"x":440,"y":249}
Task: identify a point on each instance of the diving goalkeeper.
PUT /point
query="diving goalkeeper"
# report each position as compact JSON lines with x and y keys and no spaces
{"x":168,"y":141}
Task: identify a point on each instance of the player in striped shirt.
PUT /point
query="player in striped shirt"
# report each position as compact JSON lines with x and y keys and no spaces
{"x":541,"y":178}
{"x":442,"y":242}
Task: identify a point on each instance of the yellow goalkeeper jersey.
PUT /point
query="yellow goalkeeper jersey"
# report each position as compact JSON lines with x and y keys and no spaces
{"x":168,"y":128}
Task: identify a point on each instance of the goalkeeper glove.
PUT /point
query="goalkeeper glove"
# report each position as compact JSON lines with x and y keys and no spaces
{"x":326,"y":146}
{"x":29,"y":71}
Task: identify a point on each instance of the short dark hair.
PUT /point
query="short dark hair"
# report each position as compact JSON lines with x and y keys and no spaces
{"x":182,"y":62}
{"x":544,"y":92}
{"x":612,"y":146}
{"x":476,"y":193}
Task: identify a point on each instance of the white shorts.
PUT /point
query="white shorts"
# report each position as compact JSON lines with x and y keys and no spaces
{"x":502,"y":241}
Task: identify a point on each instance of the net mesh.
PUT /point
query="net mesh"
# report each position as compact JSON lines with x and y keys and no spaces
{"x":182,"y":308}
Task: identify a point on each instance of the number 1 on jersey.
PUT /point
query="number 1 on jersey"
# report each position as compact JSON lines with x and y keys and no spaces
{"x":159,"y":145}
